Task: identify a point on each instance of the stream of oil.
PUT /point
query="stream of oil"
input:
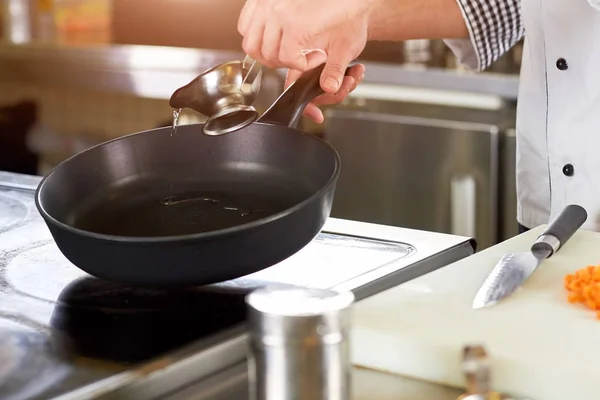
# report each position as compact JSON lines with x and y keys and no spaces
{"x":176,"y":113}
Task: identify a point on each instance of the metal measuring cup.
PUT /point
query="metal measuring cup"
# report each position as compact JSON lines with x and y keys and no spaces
{"x":225,"y":94}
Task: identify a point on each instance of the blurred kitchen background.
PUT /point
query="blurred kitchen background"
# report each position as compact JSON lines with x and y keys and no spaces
{"x":425,"y":144}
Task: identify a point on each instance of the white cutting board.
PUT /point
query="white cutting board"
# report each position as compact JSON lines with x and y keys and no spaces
{"x":541,"y":346}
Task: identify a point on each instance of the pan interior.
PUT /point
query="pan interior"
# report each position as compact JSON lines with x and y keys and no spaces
{"x":155,"y":184}
{"x":151,"y":209}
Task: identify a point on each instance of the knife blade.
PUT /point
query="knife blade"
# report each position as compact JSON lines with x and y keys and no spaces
{"x":515,"y":268}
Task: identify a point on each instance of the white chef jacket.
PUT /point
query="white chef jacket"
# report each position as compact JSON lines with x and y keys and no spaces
{"x":558,"y":109}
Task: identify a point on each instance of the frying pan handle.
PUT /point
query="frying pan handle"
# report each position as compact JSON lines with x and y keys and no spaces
{"x":287,"y":109}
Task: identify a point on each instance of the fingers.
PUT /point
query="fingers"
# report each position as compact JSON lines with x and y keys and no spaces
{"x":312,"y":111}
{"x":290,"y":55}
{"x":358,"y":73}
{"x":340,"y":54}
{"x":246,"y":16}
{"x":265,"y":43}
{"x":271,"y":44}
{"x":314,"y":58}
{"x":269,"y":39}
{"x":253,"y":40}
{"x":349,"y":83}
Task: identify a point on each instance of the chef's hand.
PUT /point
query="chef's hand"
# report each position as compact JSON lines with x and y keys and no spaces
{"x":303,"y":34}
{"x":349,"y":83}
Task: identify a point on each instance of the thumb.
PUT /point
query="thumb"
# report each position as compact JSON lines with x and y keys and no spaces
{"x":314,"y":58}
{"x":335,"y":69}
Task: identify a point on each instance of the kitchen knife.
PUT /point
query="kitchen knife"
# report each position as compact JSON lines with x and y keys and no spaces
{"x":514,"y":269}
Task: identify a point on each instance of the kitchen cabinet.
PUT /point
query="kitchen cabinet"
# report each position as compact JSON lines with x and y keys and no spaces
{"x":429,"y":171}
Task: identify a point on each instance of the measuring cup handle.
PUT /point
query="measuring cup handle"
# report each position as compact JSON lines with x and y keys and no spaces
{"x":287,"y":109}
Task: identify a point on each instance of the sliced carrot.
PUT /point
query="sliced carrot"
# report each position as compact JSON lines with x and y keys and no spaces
{"x":591,"y":305}
{"x":573,"y":298}
{"x":583,"y":287}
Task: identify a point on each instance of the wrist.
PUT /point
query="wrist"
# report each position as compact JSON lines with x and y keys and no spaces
{"x":375,"y":19}
{"x":400,"y":20}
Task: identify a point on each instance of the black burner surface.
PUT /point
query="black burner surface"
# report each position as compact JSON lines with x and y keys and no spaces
{"x":115,"y":322}
{"x":97,"y":328}
{"x":112,"y":322}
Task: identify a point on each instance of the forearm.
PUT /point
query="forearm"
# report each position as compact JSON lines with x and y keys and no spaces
{"x":397,"y":20}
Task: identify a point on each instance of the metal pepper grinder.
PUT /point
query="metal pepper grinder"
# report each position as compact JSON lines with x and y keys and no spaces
{"x":299,"y":344}
{"x":477,"y":369}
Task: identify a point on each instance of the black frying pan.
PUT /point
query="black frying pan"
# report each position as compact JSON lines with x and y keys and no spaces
{"x":189,"y":209}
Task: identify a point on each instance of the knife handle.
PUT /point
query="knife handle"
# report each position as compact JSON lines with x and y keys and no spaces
{"x":561,"y":229}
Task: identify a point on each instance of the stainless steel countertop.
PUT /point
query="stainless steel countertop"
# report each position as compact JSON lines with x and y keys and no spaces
{"x":153,"y":71}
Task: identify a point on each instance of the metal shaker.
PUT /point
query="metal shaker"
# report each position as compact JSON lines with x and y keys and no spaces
{"x":299,"y":344}
{"x":476,"y":366}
